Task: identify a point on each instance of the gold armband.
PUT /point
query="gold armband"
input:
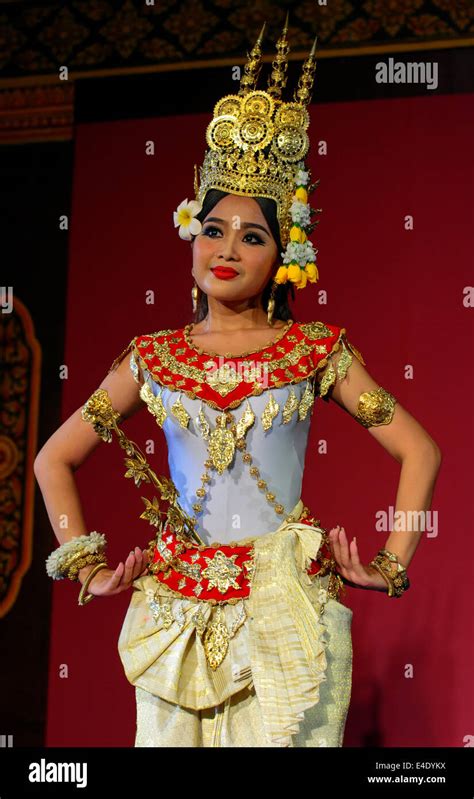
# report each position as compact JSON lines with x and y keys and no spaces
{"x":375,"y":407}
{"x":98,"y":410}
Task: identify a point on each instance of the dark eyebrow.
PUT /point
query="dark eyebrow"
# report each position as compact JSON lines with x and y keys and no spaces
{"x":242,"y":224}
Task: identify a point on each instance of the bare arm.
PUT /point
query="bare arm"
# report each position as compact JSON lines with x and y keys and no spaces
{"x":412,"y":446}
{"x":69,"y":447}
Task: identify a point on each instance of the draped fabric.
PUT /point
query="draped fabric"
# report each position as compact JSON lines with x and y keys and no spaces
{"x":279,"y":653}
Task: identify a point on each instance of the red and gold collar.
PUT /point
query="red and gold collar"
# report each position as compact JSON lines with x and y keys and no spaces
{"x":225,"y":382}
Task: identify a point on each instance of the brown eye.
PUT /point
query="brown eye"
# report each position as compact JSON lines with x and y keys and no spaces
{"x":211,"y":227}
{"x":254,"y":235}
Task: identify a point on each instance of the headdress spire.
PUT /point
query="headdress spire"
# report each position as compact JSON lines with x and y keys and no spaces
{"x":278,"y":77}
{"x":305,"y":84}
{"x":253,"y":66}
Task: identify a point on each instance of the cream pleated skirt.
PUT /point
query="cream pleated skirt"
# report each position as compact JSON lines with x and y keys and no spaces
{"x":286,"y":678}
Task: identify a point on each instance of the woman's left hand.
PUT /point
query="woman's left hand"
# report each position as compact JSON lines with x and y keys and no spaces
{"x":348,"y":562}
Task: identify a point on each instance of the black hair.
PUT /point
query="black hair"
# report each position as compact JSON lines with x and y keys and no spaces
{"x":282,"y":309}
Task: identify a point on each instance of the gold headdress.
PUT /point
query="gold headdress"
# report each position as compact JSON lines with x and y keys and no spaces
{"x":257,"y":145}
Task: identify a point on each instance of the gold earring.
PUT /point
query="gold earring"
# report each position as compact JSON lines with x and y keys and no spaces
{"x":194,"y":295}
{"x":271,"y":305}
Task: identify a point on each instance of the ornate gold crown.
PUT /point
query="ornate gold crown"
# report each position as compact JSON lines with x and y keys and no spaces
{"x":257,"y":143}
{"x":256,"y":140}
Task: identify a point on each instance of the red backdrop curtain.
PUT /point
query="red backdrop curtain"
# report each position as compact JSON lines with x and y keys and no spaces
{"x":400,"y":295}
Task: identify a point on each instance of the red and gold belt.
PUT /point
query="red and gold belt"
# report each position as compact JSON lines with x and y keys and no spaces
{"x":218,"y":573}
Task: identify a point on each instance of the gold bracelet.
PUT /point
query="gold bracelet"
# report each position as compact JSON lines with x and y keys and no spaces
{"x":82,"y":600}
{"x":80,"y":561}
{"x":398,"y":581}
{"x":385,"y":576}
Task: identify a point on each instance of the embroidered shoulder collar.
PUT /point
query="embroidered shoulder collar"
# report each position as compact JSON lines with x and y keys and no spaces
{"x":187,"y":337}
{"x":225,"y":383}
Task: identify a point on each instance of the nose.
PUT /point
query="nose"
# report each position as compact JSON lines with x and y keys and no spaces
{"x":228,"y":249}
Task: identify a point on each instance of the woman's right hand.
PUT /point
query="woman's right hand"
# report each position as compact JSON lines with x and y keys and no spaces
{"x":107,"y":582}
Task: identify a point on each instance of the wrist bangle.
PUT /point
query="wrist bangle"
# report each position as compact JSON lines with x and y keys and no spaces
{"x":83,"y":599}
{"x":398,"y":581}
{"x":385,"y":576}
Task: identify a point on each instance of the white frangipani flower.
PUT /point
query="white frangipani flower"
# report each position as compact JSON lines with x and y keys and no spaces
{"x":184,"y":218}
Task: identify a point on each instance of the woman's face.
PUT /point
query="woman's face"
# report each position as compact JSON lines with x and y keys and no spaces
{"x":234,"y":234}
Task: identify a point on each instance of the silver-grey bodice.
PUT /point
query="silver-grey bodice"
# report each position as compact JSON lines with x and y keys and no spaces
{"x":234,"y":506}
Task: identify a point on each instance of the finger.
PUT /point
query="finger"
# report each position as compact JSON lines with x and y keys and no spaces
{"x":354,"y":553}
{"x":136,"y":561}
{"x":354,"y":568}
{"x":329,"y":540}
{"x":357,"y":568}
{"x":334,"y":544}
{"x":331,"y":536}
{"x":336,"y":547}
{"x":114,"y":581}
{"x":138,"y":568}
{"x":145,"y":563}
{"x":345,"y":554}
{"x":128,"y":571}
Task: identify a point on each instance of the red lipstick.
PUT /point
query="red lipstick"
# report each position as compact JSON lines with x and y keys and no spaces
{"x":224,"y":272}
